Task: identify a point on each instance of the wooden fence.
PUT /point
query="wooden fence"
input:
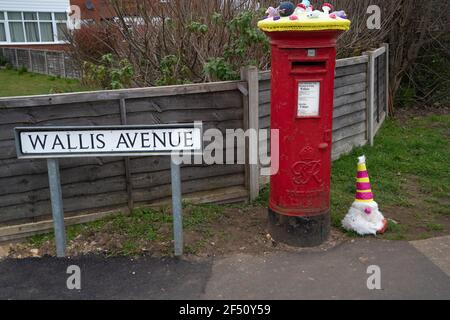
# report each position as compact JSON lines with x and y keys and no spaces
{"x":94,"y":187}
{"x":53,"y":63}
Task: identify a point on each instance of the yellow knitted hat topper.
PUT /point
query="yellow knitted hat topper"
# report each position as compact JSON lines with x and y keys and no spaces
{"x":287,"y":17}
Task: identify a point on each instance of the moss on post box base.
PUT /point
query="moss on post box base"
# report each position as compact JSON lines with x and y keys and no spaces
{"x":299,"y":231}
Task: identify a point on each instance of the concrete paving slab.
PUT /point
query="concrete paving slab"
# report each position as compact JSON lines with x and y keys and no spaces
{"x":338,"y":274}
{"x":437,"y":250}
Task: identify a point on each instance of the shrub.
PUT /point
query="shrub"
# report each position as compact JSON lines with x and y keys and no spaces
{"x":220,"y":69}
{"x":109,"y":74}
{"x":185,"y":40}
{"x":172,"y":71}
{"x":3,"y":61}
{"x":428,"y":82}
{"x":22,"y":70}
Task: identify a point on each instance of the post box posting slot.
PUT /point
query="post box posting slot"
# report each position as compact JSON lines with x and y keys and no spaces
{"x":309,"y":66}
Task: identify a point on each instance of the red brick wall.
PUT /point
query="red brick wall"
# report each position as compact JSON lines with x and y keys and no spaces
{"x":101,"y":8}
{"x":94,"y":14}
{"x":54,"y":47}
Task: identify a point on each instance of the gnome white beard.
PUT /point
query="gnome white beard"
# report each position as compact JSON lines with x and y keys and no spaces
{"x":361,"y":222}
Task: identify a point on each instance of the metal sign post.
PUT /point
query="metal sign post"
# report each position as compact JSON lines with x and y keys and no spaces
{"x":52,"y":143}
{"x":57,"y":206}
{"x":177,"y":207}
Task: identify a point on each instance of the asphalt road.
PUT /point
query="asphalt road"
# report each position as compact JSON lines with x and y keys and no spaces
{"x":340,"y":273}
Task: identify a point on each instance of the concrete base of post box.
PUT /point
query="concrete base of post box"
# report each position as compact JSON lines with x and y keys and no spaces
{"x":299,"y":231}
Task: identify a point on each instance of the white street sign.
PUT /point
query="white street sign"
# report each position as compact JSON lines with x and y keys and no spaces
{"x":60,"y":142}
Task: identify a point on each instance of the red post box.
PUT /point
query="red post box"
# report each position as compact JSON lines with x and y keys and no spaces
{"x":302,"y":91}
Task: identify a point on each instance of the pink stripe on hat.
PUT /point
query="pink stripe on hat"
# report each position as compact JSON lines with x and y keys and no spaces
{"x":363,"y":186}
{"x":362,"y":174}
{"x":364,"y":196}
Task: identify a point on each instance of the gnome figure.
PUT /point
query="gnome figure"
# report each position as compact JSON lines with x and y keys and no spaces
{"x":364,"y":217}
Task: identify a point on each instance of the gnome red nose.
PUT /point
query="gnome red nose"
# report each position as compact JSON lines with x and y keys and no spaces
{"x":368,"y":210}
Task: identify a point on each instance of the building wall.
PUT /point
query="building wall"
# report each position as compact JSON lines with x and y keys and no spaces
{"x":101,"y":8}
{"x":34,"y":5}
{"x":50,"y":47}
{"x":90,"y":14}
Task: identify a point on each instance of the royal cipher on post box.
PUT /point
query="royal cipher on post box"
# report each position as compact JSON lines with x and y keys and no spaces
{"x":303,"y":43}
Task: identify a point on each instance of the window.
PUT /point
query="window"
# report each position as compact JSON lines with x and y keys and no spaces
{"x":61,"y":25}
{"x":14,"y":16}
{"x":46,"y":26}
{"x":33,"y":27}
{"x":45,"y":16}
{"x":16,"y":27}
{"x":46,"y":31}
{"x":2,"y":27}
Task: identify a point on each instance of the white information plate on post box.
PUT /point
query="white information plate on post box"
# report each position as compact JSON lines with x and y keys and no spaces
{"x":308,"y":99}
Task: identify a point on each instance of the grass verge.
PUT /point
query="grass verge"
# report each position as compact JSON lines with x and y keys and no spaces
{"x":19,"y":83}
{"x":410,"y":176}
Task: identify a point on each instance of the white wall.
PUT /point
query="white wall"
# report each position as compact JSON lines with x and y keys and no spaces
{"x":34,"y":5}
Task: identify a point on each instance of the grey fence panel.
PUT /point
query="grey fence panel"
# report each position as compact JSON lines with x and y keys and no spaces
{"x":380,"y":101}
{"x":218,"y":110}
{"x":54,"y":63}
{"x":23,"y":58}
{"x":99,"y":184}
{"x":71,"y":69}
{"x":87,"y":184}
{"x":10,"y":56}
{"x":38,"y":61}
{"x":350,"y":108}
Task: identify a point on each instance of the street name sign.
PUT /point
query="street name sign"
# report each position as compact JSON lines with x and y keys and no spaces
{"x":63,"y":142}
{"x":53,"y":143}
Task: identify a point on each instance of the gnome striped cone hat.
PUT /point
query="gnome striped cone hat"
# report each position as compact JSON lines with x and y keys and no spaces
{"x":363,"y":186}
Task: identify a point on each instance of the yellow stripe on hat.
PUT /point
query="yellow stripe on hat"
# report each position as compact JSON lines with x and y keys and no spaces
{"x":363,"y":201}
{"x":364,"y":191}
{"x":363,"y":180}
{"x":362,"y":167}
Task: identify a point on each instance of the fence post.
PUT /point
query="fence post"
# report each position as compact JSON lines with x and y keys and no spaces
{"x":388,"y":94}
{"x":46,"y":62}
{"x":370,"y":97}
{"x":16,"y":58}
{"x":30,"y":60}
{"x":63,"y":57}
{"x":123,"y":118}
{"x":251,"y":123}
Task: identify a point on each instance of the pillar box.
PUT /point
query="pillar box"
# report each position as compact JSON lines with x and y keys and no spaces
{"x":302,"y":90}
